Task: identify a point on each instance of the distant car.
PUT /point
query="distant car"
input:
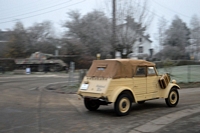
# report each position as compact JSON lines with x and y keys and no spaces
{"x":123,"y":82}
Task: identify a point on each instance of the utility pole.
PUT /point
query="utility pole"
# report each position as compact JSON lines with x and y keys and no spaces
{"x":114,"y":26}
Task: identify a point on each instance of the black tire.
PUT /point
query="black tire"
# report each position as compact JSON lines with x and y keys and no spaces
{"x":173,"y":98}
{"x":52,"y":68}
{"x":123,"y":105}
{"x":141,"y":102}
{"x":90,"y":104}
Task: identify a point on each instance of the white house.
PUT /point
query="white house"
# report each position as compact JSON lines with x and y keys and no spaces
{"x":133,"y":33}
{"x":141,"y":48}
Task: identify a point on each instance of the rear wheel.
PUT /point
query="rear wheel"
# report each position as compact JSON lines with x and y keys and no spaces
{"x":91,"y":104}
{"x":123,"y":105}
{"x":173,"y":98}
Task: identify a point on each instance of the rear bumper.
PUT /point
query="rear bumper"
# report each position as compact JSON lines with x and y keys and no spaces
{"x":92,"y":95}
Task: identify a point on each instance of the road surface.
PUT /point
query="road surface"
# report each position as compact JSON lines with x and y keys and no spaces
{"x":26,"y":106}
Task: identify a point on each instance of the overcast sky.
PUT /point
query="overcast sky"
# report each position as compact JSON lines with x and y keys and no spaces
{"x":30,"y":11}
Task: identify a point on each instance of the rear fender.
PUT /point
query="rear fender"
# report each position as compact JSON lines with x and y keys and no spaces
{"x":118,"y":91}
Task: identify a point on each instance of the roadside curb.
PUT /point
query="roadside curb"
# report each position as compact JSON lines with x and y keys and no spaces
{"x":163,"y":121}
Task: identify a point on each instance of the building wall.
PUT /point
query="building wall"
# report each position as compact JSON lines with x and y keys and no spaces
{"x":141,"y":48}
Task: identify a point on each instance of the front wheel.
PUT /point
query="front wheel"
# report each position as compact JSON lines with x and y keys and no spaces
{"x":91,"y":104}
{"x":173,"y":98}
{"x":123,"y":105}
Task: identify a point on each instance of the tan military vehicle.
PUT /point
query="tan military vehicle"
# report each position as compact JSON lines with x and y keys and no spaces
{"x":123,"y":82}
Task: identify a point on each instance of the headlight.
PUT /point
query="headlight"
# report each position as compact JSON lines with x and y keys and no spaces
{"x":174,"y":81}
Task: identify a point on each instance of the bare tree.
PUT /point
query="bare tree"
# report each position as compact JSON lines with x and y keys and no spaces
{"x":195,"y":33}
{"x":41,"y":37}
{"x":177,"y":36}
{"x":162,"y":27}
{"x":136,"y":9}
{"x":17,"y":42}
{"x":128,"y":34}
{"x":133,"y":17}
{"x":24,"y":41}
{"x":71,"y":46}
{"x":93,"y":30}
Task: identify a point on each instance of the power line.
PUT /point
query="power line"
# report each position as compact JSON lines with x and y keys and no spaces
{"x":149,"y":10}
{"x":35,"y":10}
{"x":33,"y":6}
{"x":15,"y":7}
{"x":170,"y":9}
{"x":43,"y":12}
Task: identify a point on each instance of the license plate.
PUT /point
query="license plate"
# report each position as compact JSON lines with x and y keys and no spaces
{"x":84,"y":86}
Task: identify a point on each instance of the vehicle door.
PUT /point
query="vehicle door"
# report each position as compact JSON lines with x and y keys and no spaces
{"x":140,"y":82}
{"x":152,"y":81}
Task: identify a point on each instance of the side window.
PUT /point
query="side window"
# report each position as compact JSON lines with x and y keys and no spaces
{"x":141,"y":71}
{"x":151,"y":71}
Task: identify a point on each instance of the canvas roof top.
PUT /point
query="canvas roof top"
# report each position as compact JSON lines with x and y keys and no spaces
{"x":116,"y":68}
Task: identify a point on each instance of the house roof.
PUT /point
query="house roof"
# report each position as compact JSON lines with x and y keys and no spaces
{"x":147,"y":37}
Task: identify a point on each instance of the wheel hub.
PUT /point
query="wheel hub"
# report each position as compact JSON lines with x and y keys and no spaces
{"x":173,"y":97}
{"x":124,"y":104}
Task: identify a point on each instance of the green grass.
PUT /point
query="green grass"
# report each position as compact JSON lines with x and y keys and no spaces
{"x":184,"y":74}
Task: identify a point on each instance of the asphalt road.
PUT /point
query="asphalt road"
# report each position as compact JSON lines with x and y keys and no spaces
{"x":26,"y":106}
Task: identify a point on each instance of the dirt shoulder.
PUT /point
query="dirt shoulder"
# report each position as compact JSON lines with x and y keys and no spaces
{"x":189,"y":85}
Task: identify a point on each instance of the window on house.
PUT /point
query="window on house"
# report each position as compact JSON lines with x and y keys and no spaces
{"x":140,"y":49}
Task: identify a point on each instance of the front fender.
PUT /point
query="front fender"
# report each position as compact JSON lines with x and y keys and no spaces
{"x":118,"y":91}
{"x":165,"y":92}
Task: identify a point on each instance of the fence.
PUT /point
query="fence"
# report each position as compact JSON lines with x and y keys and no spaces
{"x":182,"y":72}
